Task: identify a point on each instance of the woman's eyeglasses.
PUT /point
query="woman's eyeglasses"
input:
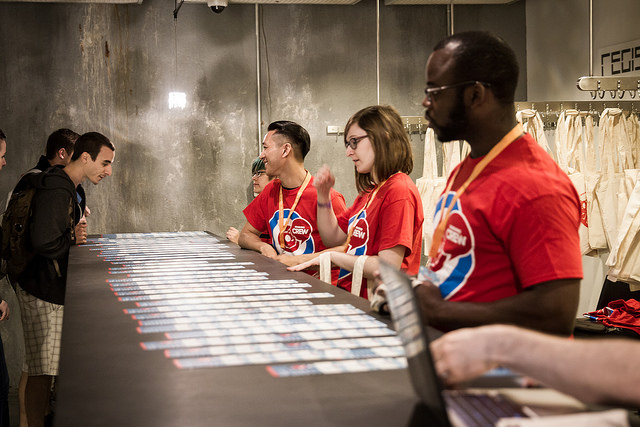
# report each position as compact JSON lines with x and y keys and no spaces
{"x":353,"y":142}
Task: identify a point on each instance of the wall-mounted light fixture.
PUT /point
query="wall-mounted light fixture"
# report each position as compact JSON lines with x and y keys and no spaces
{"x":177,"y":100}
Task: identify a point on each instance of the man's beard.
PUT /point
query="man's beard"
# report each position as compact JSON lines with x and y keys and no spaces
{"x":457,"y":124}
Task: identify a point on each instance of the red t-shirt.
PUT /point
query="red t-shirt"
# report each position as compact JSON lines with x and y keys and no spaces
{"x":394,"y":217}
{"x":301,"y":236}
{"x":515,"y":226}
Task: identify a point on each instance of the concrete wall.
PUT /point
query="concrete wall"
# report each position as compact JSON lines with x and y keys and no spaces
{"x":558,"y":43}
{"x":109,"y":68}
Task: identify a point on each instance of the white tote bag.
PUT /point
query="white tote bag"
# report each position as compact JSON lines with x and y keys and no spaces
{"x":633,"y":132}
{"x":430,"y":186}
{"x":597,"y":238}
{"x":623,"y":260}
{"x":533,"y":125}
{"x":450,"y":156}
{"x":570,"y":152}
{"x":613,"y":159}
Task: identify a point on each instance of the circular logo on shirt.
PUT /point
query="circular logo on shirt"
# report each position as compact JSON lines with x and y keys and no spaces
{"x":360,"y":235}
{"x":455,"y":260}
{"x":297,"y":236}
{"x":456,"y":241}
{"x":296,"y":233}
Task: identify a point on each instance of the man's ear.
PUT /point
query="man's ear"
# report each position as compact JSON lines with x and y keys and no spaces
{"x":62,"y":153}
{"x":477,"y":95}
{"x":286,"y":147}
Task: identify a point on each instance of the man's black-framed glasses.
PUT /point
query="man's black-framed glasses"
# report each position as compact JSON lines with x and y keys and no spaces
{"x":431,"y":92}
{"x":353,"y":142}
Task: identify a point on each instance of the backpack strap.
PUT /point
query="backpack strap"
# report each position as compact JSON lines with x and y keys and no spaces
{"x":41,"y":185}
{"x":29,"y":172}
{"x":34,"y":170}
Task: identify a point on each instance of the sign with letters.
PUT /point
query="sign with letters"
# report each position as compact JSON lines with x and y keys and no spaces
{"x":620,"y":59}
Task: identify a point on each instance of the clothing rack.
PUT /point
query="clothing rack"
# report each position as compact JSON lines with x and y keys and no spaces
{"x":415,"y":124}
{"x":616,"y":87}
{"x":550,"y":110}
{"x":412,"y":124}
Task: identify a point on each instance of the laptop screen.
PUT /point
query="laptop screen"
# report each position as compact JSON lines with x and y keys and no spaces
{"x":407,"y":320}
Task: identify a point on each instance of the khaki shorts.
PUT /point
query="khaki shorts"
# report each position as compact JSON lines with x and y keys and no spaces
{"x":42,"y":325}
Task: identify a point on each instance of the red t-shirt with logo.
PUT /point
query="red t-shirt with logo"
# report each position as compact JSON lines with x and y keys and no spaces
{"x":394,"y":217}
{"x":301,"y":236}
{"x":515,"y":226}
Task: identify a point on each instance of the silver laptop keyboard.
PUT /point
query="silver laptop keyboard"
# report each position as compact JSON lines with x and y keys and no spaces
{"x":481,"y":409}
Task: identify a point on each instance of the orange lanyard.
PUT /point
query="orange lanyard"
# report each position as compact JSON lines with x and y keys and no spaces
{"x":438,"y":233}
{"x":282,"y":222}
{"x":366,"y":205}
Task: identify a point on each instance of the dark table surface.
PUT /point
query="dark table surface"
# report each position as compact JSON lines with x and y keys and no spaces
{"x":107,"y":379}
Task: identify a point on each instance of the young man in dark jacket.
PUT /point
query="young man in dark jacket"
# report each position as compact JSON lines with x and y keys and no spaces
{"x":58,"y":152}
{"x":41,"y":287}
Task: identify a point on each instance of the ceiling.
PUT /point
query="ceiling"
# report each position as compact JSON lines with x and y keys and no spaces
{"x":454,"y":2}
{"x":336,"y":2}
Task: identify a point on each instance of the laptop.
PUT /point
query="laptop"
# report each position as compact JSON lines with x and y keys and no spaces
{"x":443,"y":407}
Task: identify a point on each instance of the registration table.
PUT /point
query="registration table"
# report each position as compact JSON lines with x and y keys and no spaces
{"x":186,"y":329}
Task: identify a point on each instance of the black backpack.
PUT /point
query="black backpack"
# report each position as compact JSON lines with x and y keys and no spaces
{"x":16,"y":250}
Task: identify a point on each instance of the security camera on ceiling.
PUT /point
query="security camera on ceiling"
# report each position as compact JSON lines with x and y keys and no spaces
{"x":217,"y":6}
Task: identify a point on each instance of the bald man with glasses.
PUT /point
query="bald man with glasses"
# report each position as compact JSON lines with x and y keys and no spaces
{"x":506,"y":247}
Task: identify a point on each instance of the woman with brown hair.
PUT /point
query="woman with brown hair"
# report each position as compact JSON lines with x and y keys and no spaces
{"x":385,"y":220}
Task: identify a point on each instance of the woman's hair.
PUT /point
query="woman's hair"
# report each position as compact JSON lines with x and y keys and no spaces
{"x":390,"y":142}
{"x":257,"y":165}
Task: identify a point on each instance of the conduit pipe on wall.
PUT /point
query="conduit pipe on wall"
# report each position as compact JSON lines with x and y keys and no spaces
{"x":378,"y":52}
{"x":591,"y":37}
{"x":450,"y":13}
{"x":258,"y":100}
